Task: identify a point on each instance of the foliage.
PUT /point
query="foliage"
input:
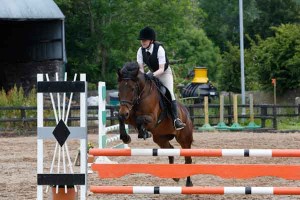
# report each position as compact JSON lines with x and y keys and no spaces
{"x":16,"y":97}
{"x":222,"y":21}
{"x":230,"y":72}
{"x":102,"y":35}
{"x":90,"y":146}
{"x":278,"y":57}
{"x":197,"y":50}
{"x":272,"y":13}
{"x":275,"y":57}
{"x":288,"y":124}
{"x":3,"y":98}
{"x":92,"y":86}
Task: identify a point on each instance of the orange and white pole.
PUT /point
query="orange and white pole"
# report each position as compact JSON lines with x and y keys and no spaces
{"x":195,"y":190}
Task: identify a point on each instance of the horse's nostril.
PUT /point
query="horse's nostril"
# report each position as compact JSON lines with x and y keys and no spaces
{"x":123,"y":115}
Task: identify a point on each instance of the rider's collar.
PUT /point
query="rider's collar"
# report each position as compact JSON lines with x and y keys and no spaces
{"x":149,"y":49}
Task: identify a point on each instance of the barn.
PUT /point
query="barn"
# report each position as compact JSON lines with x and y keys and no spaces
{"x":32,"y":40}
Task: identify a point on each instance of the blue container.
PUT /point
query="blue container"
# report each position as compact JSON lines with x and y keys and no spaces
{"x":114,"y":98}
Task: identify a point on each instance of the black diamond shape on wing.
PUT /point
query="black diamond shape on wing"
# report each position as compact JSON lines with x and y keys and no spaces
{"x":61,"y":132}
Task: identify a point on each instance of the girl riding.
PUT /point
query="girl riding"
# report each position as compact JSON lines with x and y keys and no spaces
{"x":152,"y":54}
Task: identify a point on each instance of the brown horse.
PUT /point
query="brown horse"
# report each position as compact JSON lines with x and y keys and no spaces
{"x":140,"y":107}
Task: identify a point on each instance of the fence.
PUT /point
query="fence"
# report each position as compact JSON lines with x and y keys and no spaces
{"x":263,"y":113}
{"x":266,"y":114}
{"x":25,"y":116}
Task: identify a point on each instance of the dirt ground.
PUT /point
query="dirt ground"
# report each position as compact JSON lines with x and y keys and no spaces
{"x":18,"y":165}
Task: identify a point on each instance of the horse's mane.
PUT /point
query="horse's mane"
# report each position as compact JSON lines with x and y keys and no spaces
{"x":130,"y":70}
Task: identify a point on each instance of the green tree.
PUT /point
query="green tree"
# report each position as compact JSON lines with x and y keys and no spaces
{"x":101,"y":35}
{"x":197,"y":50}
{"x":278,"y":57}
{"x":97,"y":33}
{"x":230,"y":72}
{"x":272,"y":13}
{"x":222,"y":20}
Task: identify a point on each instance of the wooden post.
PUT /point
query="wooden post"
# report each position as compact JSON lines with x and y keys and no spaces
{"x":206,"y":120}
{"x":264,"y":113}
{"x":206,"y":126}
{"x":221,"y":125}
{"x":274,"y":84}
{"x":235,"y":109}
{"x":235,"y":126}
{"x":251,"y":124}
{"x":221,"y":108}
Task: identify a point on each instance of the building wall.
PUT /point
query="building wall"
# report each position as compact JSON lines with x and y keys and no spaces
{"x":26,"y":41}
{"x":24,"y":74}
{"x":288,"y":97}
{"x":28,"y":48}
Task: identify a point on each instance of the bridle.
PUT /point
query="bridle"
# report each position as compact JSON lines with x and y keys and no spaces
{"x":137,"y":99}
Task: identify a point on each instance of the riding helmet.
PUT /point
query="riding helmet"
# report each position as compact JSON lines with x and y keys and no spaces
{"x":147,"y":33}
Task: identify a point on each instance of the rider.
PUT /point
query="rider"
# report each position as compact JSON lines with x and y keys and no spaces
{"x":152,"y":54}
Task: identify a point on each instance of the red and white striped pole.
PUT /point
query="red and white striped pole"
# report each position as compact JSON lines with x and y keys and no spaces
{"x":198,"y":152}
{"x":195,"y":190}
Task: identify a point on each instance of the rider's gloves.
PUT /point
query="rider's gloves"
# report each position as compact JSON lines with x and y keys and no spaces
{"x":150,"y":75}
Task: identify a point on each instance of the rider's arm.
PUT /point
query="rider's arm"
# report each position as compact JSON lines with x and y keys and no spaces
{"x":142,"y":67}
{"x":160,"y":70}
{"x":161,"y":56}
{"x":139,"y":59}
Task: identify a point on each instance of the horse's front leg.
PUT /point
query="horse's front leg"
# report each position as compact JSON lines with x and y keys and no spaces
{"x":188,"y":160}
{"x":141,"y":123}
{"x":123,"y":134}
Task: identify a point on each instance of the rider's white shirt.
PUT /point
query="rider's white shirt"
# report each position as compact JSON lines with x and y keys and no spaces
{"x":161,"y":55}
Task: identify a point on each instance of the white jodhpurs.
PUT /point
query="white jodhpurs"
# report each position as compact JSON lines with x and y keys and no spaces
{"x":167,"y":80}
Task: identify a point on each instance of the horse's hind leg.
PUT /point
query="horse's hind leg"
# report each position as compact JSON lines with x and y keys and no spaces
{"x":141,"y":121}
{"x":163,"y":141}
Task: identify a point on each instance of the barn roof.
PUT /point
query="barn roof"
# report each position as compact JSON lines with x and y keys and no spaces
{"x":29,"y":10}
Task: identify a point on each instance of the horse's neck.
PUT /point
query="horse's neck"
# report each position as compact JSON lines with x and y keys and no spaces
{"x":146,"y":87}
{"x":141,"y":80}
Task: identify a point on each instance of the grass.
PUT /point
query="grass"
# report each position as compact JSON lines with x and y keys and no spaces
{"x":289,"y":124}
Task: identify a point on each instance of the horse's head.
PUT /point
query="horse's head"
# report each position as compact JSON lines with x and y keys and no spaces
{"x":129,"y":88}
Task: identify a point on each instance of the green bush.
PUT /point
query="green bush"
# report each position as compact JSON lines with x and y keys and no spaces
{"x":15,"y":98}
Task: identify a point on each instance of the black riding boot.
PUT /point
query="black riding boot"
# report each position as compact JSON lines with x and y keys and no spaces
{"x":178,"y":124}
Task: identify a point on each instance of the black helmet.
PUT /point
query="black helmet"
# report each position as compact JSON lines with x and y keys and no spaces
{"x":147,"y":33}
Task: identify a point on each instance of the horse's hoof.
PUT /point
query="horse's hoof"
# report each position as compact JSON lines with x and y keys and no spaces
{"x":176,"y":179}
{"x":126,"y":140}
{"x":190,"y":184}
{"x":148,"y":135}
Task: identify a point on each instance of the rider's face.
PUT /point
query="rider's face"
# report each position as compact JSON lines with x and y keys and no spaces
{"x":145,"y":43}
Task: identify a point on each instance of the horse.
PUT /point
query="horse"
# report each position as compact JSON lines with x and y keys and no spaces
{"x":140,"y":107}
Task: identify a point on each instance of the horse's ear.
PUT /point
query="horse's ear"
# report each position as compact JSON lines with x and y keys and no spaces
{"x":119,"y":74}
